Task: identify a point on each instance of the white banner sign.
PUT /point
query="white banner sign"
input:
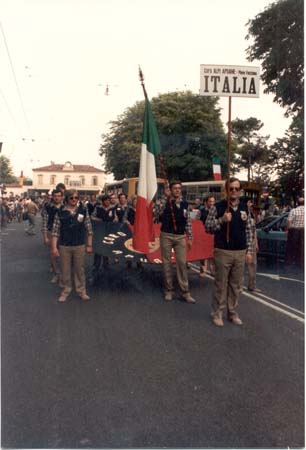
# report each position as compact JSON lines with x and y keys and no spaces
{"x":226,"y":81}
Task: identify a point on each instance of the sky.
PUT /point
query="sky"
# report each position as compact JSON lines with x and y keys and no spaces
{"x":57,"y":56}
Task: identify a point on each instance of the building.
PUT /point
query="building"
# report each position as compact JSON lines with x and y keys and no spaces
{"x":13,"y":190}
{"x":86,"y":179}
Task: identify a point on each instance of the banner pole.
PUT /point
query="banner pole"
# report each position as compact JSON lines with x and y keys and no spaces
{"x":228,"y":162}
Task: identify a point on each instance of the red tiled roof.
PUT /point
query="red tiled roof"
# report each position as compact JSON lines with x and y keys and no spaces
{"x":60,"y":167}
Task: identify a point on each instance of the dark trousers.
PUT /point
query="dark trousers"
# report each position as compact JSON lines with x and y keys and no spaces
{"x":295,"y":247}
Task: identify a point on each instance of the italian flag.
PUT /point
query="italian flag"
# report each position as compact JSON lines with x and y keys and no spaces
{"x":147,"y":184}
{"x":216,"y":169}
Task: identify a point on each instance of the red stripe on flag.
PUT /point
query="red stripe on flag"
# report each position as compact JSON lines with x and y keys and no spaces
{"x":143,"y":226}
{"x":217,"y":176}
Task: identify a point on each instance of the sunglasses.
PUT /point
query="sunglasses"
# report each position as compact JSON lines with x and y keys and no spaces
{"x":234,"y":189}
{"x":73,"y":198}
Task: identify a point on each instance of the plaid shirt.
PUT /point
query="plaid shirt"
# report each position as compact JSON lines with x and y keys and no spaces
{"x":296,"y":217}
{"x":56,"y":230}
{"x":159,"y":208}
{"x":213,"y":224}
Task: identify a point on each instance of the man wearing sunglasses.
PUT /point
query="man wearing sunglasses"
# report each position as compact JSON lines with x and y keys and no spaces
{"x":233,"y":248}
{"x":71,"y":226}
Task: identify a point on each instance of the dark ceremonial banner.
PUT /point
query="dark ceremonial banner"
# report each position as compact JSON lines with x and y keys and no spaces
{"x":116,"y":240}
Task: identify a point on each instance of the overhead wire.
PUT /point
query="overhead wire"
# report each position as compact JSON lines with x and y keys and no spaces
{"x":16,"y":82}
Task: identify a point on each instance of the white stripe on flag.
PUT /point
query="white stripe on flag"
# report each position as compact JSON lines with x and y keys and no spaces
{"x":147,"y":185}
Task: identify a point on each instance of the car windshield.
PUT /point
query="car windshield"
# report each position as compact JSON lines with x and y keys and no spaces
{"x":265,"y":221}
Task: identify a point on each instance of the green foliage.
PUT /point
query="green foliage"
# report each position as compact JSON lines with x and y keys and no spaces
{"x":278,"y":34}
{"x":252,"y":151}
{"x":6,"y":172}
{"x":190,"y":132}
{"x":288,"y":155}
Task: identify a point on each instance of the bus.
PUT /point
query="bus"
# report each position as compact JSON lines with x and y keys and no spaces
{"x":129,"y":187}
{"x":202,"y":189}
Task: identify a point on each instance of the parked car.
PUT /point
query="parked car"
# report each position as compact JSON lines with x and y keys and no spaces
{"x":271,"y":235}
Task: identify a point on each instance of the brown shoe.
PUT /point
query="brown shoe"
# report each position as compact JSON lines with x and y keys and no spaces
{"x":62,"y":298}
{"x":236,"y":320}
{"x":188,"y":298}
{"x":218,"y":321}
{"x":168,"y":296}
{"x":84,"y":297}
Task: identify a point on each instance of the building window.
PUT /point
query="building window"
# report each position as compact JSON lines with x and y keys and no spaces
{"x":66,"y":181}
{"x":82,"y":180}
{"x":52,"y":179}
{"x":94,"y":181}
{"x":40,"y":179}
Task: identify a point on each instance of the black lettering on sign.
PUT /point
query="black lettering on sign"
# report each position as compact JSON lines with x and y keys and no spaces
{"x":226,"y":87}
{"x":206,"y":83}
{"x":252,"y":89}
{"x":235,"y":91}
{"x":244,"y":85}
{"x":215,"y":79}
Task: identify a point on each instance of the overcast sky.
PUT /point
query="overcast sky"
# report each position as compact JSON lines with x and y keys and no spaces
{"x":64,"y":52}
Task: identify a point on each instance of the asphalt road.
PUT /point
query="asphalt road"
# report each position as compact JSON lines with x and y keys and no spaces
{"x":129,"y":370}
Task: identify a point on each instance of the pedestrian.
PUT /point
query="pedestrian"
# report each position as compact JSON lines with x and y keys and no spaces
{"x":122,"y":206}
{"x":48,"y":213}
{"x":104,"y":212}
{"x":252,"y":265}
{"x":113,"y":200}
{"x":295,"y":235}
{"x":31,"y":209}
{"x":230,"y":253}
{"x":71,"y":227}
{"x":61,"y":187}
{"x":130,"y":212}
{"x":175,"y":226}
{"x":91,"y":204}
{"x":204,"y":263}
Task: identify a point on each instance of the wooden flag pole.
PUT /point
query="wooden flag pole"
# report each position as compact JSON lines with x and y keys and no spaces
{"x":228,"y":162}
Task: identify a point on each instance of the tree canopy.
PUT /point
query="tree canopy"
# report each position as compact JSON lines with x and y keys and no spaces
{"x":190,"y":131}
{"x":252,"y":150}
{"x":6,"y":171}
{"x":278,"y":34}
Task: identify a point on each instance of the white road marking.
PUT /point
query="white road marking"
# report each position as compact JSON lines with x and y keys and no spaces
{"x":278,"y":277}
{"x":287,"y":313}
{"x":260,"y":300}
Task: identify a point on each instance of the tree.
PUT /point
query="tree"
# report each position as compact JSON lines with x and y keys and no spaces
{"x":252,"y":151}
{"x":190,"y":131}
{"x":288,"y":155}
{"x":6,"y":171}
{"x":278,"y":34}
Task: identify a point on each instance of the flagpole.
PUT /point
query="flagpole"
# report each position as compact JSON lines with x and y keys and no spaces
{"x":161,"y":159}
{"x":228,"y":162}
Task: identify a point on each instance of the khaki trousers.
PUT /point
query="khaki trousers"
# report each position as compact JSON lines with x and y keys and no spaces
{"x":177,"y":242}
{"x":73,"y":257}
{"x":229,"y":271}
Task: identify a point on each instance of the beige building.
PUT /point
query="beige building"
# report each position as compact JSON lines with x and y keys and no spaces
{"x":84,"y":178}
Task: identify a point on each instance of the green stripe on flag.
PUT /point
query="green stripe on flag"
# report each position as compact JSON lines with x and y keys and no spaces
{"x":150,"y":135}
{"x":216,"y":160}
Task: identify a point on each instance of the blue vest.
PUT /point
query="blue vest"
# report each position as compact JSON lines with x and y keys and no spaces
{"x":73,"y":230}
{"x":51,"y":210}
{"x":237,"y":227}
{"x":106,"y":215}
{"x":180,"y":214}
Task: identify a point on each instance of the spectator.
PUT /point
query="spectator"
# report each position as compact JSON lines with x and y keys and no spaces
{"x":31,"y":209}
{"x":295,"y":235}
